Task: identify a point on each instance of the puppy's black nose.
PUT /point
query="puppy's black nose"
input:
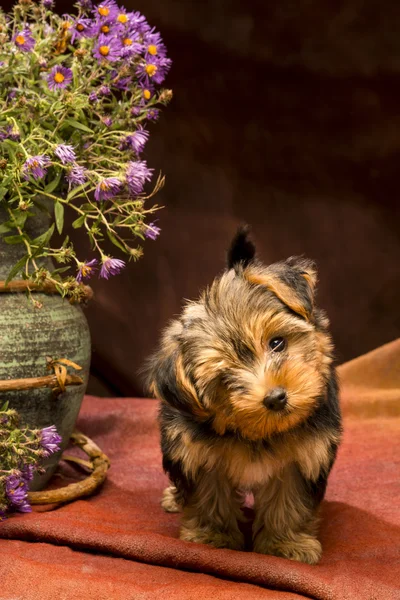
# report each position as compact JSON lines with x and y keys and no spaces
{"x":276,"y":400}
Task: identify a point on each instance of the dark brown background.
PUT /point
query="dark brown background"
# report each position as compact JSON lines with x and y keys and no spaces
{"x":286,"y":115}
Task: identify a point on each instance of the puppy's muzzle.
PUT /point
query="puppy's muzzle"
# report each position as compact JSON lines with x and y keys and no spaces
{"x":276,"y":399}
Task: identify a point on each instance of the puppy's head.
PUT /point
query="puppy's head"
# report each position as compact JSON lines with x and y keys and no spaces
{"x":252,"y":355}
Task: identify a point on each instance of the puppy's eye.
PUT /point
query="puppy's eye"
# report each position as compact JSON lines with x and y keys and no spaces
{"x":277,"y":344}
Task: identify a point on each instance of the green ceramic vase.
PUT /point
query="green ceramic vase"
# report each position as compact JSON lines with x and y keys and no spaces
{"x":27,"y":336}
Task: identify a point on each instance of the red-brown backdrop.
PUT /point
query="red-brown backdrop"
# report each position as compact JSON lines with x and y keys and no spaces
{"x":286,"y":116}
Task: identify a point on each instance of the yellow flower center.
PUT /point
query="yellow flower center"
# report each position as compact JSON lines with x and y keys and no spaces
{"x":147,"y":94}
{"x":104,"y":50}
{"x":34,"y":164}
{"x":104,"y":11}
{"x":122,"y":18}
{"x":152,"y":49}
{"x":151,"y":70}
{"x":86,"y":270}
{"x":128,"y":42}
{"x":20,"y":40}
{"x":105,"y":29}
{"x":59,"y":77}
{"x":104,"y":186}
{"x":80,"y":27}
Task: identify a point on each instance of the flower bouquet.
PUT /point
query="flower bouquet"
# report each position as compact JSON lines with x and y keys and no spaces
{"x":77,"y":94}
{"x":22,"y":451}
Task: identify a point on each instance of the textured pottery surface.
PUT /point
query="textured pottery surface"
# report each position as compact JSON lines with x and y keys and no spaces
{"x":27,"y":336}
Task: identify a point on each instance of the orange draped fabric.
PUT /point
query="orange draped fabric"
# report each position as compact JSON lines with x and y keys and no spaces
{"x":119,"y":544}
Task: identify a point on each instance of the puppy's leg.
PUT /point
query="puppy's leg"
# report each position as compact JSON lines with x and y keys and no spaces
{"x":211,"y":513}
{"x":286,"y":520}
{"x":172,"y":500}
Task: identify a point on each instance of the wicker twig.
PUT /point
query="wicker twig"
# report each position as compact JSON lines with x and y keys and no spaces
{"x":9,"y":385}
{"x":58,"y":381}
{"x":23,"y":285}
{"x":100,"y":464}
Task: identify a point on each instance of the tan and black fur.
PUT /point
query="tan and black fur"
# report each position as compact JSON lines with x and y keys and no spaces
{"x":253,"y":336}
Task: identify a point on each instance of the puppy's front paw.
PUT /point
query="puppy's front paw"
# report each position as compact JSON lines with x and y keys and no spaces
{"x":218,"y":539}
{"x":169,"y":500}
{"x":299,"y":546}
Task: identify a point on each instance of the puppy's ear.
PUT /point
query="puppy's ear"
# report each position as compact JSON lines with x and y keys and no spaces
{"x":292,"y":281}
{"x":307,"y":270}
{"x":167,"y":380}
{"x":242,"y":250}
{"x":301,"y":274}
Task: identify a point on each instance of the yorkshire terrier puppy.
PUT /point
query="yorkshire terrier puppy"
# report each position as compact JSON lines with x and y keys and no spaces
{"x":249,"y":403}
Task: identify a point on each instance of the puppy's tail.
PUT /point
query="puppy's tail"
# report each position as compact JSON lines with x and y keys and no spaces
{"x":242,"y":249}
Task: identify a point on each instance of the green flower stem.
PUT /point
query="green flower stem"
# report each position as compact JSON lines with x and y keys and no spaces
{"x":60,"y":122}
{"x":113,"y":132}
{"x":103,"y":146}
{"x":27,"y":245}
{"x":58,"y":199}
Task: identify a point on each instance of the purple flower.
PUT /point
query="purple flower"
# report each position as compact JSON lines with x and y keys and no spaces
{"x":93,"y":97}
{"x":48,"y":3}
{"x":152,"y":232}
{"x":76,"y":176}
{"x":25,"y":507}
{"x":107,"y":48}
{"x":138,"y":22}
{"x":9,"y":133}
{"x":136,"y":141}
{"x":59,"y":77}
{"x":123,"y":83}
{"x":16,"y":490}
{"x":130,"y":44}
{"x":135,"y":111}
{"x":81,"y":27}
{"x":102,"y":27}
{"x":154,"y":70}
{"x":111,"y":266}
{"x":154,"y":45}
{"x":50,"y":440}
{"x":106,"y":10}
{"x":107,"y":121}
{"x":85,"y":4}
{"x":123,"y":17}
{"x":27,"y":472}
{"x":14,"y":134}
{"x":108,"y":188}
{"x":104,"y":90}
{"x":24,"y":40}
{"x":86,"y":270}
{"x":153,"y":114}
{"x":147,"y":92}
{"x":66,"y":153}
{"x":137,"y":174}
{"x":36,"y":166}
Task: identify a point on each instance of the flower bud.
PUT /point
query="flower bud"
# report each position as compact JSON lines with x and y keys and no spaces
{"x":166,"y":96}
{"x":80,"y":53}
